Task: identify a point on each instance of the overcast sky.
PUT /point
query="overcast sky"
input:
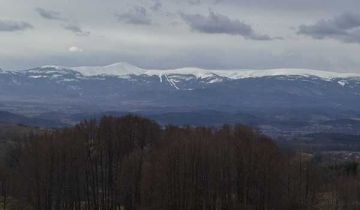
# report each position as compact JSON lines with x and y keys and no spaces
{"x":227,"y":34}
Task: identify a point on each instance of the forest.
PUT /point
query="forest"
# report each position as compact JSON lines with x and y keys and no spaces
{"x":132,"y":163}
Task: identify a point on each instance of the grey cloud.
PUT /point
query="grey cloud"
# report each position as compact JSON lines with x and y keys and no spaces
{"x":221,"y":24}
{"x":49,"y":14}
{"x":54,"y":15}
{"x":156,"y":6}
{"x":345,"y":28}
{"x":10,"y":25}
{"x":296,"y":6}
{"x":194,"y":2}
{"x":137,"y":16}
{"x":76,"y":29}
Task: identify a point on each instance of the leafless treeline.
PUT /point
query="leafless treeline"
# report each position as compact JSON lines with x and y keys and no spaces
{"x":131,"y":163}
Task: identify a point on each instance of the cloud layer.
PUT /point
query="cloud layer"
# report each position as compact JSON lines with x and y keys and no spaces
{"x":137,"y":16}
{"x":345,"y":28}
{"x":11,"y":25}
{"x":76,"y":29}
{"x":179,"y":33}
{"x":220,"y":24}
{"x":49,"y":14}
{"x":68,"y":24}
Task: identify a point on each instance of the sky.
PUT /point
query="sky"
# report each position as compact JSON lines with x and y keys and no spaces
{"x":213,"y":34}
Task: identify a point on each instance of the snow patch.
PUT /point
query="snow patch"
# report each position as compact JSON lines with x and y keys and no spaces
{"x":342,"y":83}
{"x":117,"y":69}
{"x":125,"y":69}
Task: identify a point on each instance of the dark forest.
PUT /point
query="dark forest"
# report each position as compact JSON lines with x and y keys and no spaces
{"x":132,"y":163}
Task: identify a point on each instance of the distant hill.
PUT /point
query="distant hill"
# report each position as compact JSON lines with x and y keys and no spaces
{"x":17,"y":119}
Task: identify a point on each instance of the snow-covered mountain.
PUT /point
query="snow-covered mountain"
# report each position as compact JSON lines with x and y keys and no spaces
{"x":182,"y":78}
{"x":300,"y":99}
{"x":124,"y":86}
{"x":124,"y":70}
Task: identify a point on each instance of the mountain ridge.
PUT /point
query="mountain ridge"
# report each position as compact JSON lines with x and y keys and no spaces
{"x":126,"y":70}
{"x":294,"y":100}
{"x":54,"y":88}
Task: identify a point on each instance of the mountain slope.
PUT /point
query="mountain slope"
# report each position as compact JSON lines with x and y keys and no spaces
{"x":126,"y":70}
{"x":124,"y":87}
{"x":277,"y":101}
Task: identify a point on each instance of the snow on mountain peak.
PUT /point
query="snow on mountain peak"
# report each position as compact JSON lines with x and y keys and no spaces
{"x":117,"y":69}
{"x":125,"y":70}
{"x":53,"y":67}
{"x":241,"y":74}
{"x":197,"y":72}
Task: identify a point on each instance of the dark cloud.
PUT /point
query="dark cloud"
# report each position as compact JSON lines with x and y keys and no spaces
{"x":345,"y":28}
{"x":10,"y":25}
{"x":49,"y":14}
{"x":156,"y":6}
{"x":76,"y":29}
{"x":220,"y":24}
{"x":137,"y":16}
{"x":54,"y":15}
